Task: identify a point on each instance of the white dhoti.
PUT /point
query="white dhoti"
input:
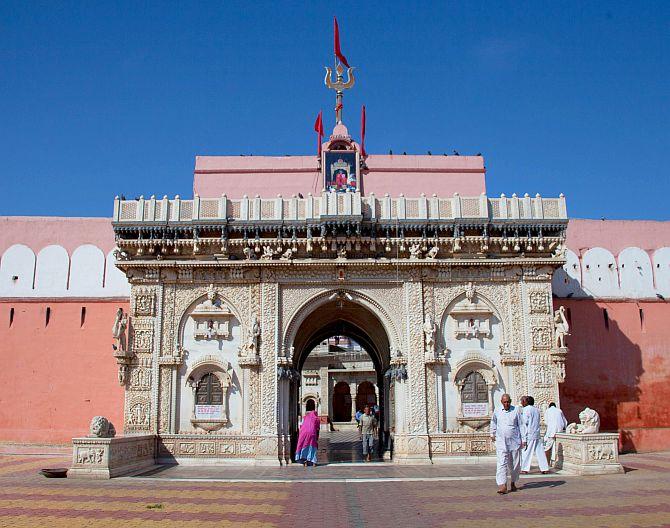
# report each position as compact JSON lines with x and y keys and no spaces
{"x":550,"y":445}
{"x":534,"y":447}
{"x":508,"y":462}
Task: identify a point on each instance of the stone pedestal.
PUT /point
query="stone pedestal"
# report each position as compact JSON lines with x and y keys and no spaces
{"x":104,"y":458}
{"x":411,"y":449}
{"x":588,"y":454}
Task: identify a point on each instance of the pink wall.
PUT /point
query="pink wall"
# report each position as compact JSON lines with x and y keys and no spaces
{"x":268,"y":176}
{"x":622,"y":371}
{"x":55,"y":378}
{"x":615,"y":235}
{"x":36,"y":232}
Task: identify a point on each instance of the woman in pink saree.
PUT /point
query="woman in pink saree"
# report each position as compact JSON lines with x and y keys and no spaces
{"x":308,"y":439}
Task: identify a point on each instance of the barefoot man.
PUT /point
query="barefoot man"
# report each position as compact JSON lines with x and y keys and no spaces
{"x":506,"y":431}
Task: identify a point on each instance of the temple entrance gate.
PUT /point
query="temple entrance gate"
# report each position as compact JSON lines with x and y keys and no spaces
{"x":347,"y":314}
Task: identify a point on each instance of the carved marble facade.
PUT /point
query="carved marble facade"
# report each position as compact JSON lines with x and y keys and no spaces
{"x":218,"y":335}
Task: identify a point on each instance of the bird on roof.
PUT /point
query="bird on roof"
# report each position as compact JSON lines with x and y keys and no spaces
{"x":390,"y":152}
{"x":660,"y":297}
{"x":456,"y":153}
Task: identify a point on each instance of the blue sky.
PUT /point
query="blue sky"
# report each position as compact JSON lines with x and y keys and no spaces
{"x":104,"y":98}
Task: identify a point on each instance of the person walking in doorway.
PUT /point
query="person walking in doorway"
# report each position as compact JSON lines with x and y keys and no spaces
{"x":368,"y":429}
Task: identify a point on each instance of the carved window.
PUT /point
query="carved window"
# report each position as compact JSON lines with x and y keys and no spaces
{"x":474,"y":389}
{"x":209,"y":391}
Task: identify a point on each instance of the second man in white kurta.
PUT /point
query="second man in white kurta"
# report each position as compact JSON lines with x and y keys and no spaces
{"x":532,"y":437}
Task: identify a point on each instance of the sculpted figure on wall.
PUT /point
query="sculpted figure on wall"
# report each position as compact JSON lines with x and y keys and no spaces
{"x":589,"y":423}
{"x":561,"y":327}
{"x":119,"y":333}
{"x":429,"y":329}
{"x":253,"y":335}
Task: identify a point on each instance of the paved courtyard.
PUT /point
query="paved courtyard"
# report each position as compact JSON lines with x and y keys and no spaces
{"x":334,"y":495}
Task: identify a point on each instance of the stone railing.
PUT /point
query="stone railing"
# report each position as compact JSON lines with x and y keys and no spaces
{"x":104,"y":458}
{"x":333,"y":205}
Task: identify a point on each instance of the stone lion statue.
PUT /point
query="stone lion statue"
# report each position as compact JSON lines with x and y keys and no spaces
{"x":589,"y":423}
{"x":101,"y":427}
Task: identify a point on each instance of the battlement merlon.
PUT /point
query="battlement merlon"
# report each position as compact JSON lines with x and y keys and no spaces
{"x":342,"y":225}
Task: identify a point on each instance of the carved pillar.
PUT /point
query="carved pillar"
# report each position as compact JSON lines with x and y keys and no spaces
{"x":324,"y":392}
{"x":331,"y":391}
{"x":267,"y":451}
{"x":414,"y":448}
{"x":353,"y":391}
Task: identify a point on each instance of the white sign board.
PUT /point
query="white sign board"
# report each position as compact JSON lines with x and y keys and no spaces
{"x":475,"y":410}
{"x":209,"y":412}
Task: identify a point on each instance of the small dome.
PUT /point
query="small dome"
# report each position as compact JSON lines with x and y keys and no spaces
{"x":340,"y":131}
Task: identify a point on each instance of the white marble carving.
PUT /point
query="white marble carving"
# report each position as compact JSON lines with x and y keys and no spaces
{"x":589,"y":423}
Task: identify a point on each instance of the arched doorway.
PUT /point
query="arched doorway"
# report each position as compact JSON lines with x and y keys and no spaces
{"x":341,"y":402}
{"x":342,"y":315}
{"x":365,"y":395}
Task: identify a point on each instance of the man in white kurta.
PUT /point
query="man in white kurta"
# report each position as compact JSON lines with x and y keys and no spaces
{"x":506,"y":431}
{"x":556,"y":423}
{"x":531,"y":435}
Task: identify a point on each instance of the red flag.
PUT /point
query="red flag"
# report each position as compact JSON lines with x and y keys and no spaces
{"x":363,"y":131}
{"x":318,"y":128}
{"x":338,"y":51}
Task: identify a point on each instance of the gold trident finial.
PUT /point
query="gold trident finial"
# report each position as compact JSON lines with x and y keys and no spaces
{"x":339,"y":86}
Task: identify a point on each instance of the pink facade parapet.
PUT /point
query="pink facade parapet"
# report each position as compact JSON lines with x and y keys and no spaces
{"x":266,"y":176}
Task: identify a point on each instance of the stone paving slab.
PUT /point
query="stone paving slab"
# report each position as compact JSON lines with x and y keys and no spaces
{"x":640,"y":497}
{"x":296,"y":472}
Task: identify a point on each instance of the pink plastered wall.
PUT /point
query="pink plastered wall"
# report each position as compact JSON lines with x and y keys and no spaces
{"x":55,"y":377}
{"x":236,"y":176}
{"x":37,"y":232}
{"x":616,"y":235}
{"x":619,"y":364}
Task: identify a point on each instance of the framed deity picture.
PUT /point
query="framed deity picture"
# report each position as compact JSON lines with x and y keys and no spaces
{"x":340,"y":168}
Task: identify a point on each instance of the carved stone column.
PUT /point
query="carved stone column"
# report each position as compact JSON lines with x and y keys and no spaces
{"x":324,"y":391}
{"x":415,"y":446}
{"x":267,"y":450}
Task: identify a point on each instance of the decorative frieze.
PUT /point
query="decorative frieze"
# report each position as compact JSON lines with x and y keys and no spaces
{"x":461,"y":444}
{"x":143,"y":302}
{"x":206,"y":446}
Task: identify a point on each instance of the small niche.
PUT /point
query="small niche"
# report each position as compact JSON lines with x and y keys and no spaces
{"x":641,"y":313}
{"x":11,"y":317}
{"x":606,"y":318}
{"x":83,"y":316}
{"x":47,"y":316}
